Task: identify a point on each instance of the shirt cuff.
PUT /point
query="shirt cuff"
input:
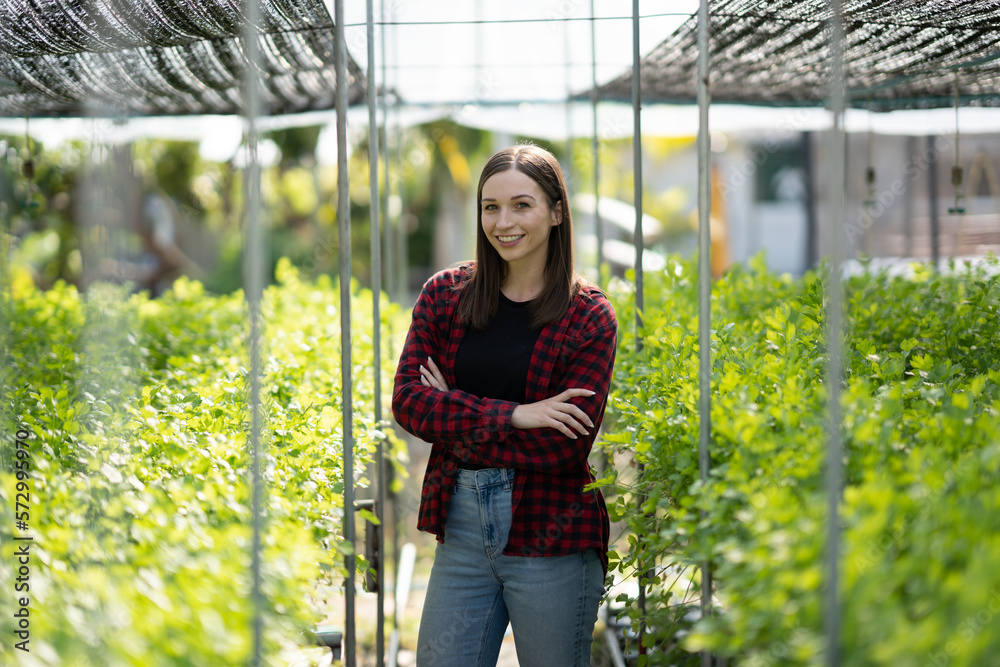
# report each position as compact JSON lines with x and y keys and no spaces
{"x":494,"y":420}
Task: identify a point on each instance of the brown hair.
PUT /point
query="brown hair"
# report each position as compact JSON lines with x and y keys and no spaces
{"x":478,"y":302}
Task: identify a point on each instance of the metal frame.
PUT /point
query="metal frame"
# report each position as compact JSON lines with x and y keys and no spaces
{"x":376,"y":258}
{"x":704,"y":294}
{"x":346,"y":389}
{"x":254,"y":277}
{"x":645,"y":569}
{"x":834,"y":249}
{"x":254,"y":290}
{"x":594,"y":146}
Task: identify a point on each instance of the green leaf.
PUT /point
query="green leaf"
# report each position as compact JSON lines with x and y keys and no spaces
{"x":369,"y":516}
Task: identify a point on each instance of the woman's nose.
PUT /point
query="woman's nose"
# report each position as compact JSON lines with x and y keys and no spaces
{"x":505,"y":219}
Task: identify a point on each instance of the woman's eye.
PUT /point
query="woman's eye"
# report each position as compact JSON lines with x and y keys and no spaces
{"x":490,"y":207}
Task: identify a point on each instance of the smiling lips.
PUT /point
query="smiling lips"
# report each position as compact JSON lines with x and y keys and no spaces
{"x":509,"y":240}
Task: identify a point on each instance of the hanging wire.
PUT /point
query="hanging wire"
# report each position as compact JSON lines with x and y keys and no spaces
{"x":957,"y":173}
{"x":28,"y":169}
{"x":869,"y":201}
{"x":932,"y":191}
{"x":548,"y":19}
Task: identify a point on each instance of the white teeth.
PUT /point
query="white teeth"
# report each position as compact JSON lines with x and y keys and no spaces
{"x":508,"y":239}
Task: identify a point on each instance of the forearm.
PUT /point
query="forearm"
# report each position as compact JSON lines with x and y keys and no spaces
{"x":450,"y":417}
{"x":543,"y":449}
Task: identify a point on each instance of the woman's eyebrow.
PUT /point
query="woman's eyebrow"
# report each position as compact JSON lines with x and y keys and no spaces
{"x":514,"y":197}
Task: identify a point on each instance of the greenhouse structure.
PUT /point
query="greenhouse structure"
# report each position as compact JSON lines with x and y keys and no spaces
{"x":801,"y":468}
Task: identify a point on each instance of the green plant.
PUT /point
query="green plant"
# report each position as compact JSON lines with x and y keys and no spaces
{"x":921,"y":427}
{"x":140,"y":507}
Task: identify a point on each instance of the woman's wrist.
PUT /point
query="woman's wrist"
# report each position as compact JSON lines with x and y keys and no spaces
{"x":515,"y":416}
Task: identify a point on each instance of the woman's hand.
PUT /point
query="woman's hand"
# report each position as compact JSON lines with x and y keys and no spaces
{"x":556,"y":412}
{"x":431,"y":376}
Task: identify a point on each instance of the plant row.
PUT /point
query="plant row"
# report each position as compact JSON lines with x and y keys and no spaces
{"x":920,"y":426}
{"x":136,"y":418}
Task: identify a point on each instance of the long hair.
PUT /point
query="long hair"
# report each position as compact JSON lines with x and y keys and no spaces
{"x":478,"y":302}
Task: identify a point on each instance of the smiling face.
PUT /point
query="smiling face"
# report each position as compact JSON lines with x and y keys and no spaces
{"x":517,"y":219}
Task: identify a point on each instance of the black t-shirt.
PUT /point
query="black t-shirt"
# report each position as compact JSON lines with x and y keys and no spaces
{"x":494,"y":363}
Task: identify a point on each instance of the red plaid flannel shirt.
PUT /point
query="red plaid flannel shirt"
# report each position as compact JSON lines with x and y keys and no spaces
{"x":552,"y":514}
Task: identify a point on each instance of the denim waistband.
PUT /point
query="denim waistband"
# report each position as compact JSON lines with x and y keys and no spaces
{"x":480,"y":479}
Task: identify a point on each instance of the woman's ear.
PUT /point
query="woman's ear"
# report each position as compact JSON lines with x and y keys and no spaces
{"x":557,"y":214}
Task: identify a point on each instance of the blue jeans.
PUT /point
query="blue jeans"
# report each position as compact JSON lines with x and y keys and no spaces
{"x":474,"y":590}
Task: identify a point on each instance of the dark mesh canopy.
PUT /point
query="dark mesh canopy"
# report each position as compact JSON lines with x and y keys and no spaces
{"x":898,"y":54}
{"x":163,"y":57}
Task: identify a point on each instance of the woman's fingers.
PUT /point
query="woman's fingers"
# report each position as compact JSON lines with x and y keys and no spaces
{"x":436,"y":372}
{"x":568,"y":418}
{"x":431,"y":376}
{"x":568,"y":425}
{"x":428,"y":380}
{"x":562,"y":403}
{"x":555,"y":412}
{"x":571,"y":393}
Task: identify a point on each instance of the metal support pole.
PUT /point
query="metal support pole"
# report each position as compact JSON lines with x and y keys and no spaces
{"x":704,"y":294}
{"x":834,"y":234}
{"x":376,"y":257}
{"x":645,"y":573}
{"x":402,"y":258}
{"x":390,"y":265}
{"x":6,"y":315}
{"x":390,"y":286}
{"x":403,"y":223}
{"x":344,"y":231}
{"x":254,"y":289}
{"x":637,"y":162}
{"x":595,"y":148}
{"x":911,"y":150}
{"x":568,"y":172}
{"x":932,"y":190}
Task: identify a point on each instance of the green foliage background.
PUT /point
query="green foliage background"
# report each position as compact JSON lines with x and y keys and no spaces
{"x":139,"y":467}
{"x":921,"y":427}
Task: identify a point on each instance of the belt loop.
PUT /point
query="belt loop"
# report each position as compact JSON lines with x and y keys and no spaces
{"x":507,"y":475}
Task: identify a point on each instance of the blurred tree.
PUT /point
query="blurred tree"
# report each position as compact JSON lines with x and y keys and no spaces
{"x":35,"y":208}
{"x":434,"y":163}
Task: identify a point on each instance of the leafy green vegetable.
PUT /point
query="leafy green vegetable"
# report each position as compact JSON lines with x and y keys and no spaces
{"x":139,"y":466}
{"x":921,"y":427}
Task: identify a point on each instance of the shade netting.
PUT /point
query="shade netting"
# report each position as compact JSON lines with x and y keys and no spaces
{"x":164,"y":57}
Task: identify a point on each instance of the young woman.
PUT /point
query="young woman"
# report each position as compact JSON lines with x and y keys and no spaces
{"x":505,"y":371}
